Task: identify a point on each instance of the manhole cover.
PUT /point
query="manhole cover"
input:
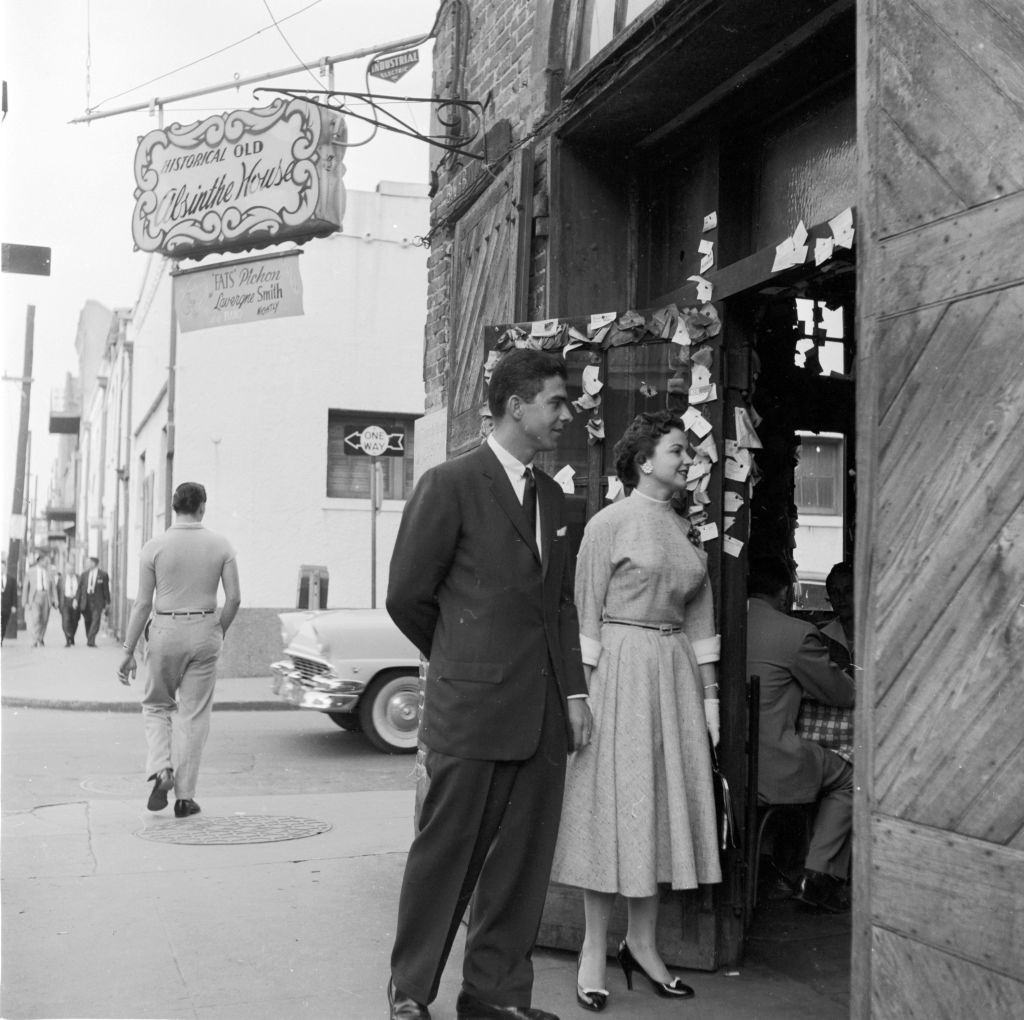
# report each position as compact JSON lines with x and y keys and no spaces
{"x":233,"y":829}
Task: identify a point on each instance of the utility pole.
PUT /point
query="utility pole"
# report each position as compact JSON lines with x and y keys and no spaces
{"x":18,"y":506}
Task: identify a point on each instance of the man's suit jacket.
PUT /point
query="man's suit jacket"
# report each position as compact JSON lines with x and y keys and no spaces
{"x":100,"y":596}
{"x":10,"y":593}
{"x":791,"y":658}
{"x":34,"y":588}
{"x":468,"y":588}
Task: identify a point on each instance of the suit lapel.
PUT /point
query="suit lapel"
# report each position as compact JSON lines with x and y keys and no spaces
{"x":505,"y":497}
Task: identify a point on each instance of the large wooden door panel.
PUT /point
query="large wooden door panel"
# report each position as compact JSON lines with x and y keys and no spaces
{"x":939,"y":809}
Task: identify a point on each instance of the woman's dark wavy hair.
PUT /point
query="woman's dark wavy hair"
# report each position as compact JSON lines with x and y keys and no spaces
{"x":188,"y":498}
{"x":639,"y":440}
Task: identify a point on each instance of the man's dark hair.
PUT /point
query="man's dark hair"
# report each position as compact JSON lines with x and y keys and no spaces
{"x":767,"y":576}
{"x":95,"y":560}
{"x":521,"y":374}
{"x":188,"y":498}
{"x":640,"y":439}
{"x":843,"y":569}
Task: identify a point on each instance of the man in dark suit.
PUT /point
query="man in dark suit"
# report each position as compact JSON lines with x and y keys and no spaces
{"x":93,"y":598}
{"x":791,"y":657}
{"x":481,"y":583}
{"x":10,"y":598}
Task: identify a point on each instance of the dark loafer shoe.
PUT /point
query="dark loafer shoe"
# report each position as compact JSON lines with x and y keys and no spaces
{"x":820,"y":891}
{"x":184,"y":808}
{"x":468,"y":1007}
{"x":162,"y":782}
{"x":404,"y":1007}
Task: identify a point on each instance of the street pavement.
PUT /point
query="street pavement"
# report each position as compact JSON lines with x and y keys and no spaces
{"x":101,"y":920}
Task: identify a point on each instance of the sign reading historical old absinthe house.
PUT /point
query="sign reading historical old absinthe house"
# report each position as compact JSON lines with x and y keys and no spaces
{"x":240,"y":180}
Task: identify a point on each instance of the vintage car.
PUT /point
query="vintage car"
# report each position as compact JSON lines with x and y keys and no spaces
{"x":357,"y":667}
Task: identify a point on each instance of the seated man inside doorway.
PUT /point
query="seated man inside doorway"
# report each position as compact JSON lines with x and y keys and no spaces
{"x":791,"y":658}
{"x":832,"y":725}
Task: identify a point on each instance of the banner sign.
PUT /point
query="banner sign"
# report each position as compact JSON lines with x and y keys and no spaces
{"x":394,"y":65}
{"x":240,"y":180}
{"x":249,"y":290}
{"x":374,"y":441}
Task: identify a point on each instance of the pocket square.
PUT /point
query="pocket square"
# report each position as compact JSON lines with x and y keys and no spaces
{"x":560,"y":533}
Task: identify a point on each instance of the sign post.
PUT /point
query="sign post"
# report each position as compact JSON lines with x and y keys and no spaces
{"x":374,"y":441}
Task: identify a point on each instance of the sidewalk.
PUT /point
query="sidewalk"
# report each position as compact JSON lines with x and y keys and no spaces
{"x":99,"y":920}
{"x":80,"y":677}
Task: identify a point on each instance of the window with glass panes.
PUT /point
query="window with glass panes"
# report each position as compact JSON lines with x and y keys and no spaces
{"x":818,"y":483}
{"x":348,"y":469}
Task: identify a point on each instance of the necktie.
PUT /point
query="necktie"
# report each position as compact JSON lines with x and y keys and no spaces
{"x":530,"y":500}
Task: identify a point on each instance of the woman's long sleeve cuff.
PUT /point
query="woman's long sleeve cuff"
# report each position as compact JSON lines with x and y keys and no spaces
{"x":707,"y":649}
{"x":590,"y":650}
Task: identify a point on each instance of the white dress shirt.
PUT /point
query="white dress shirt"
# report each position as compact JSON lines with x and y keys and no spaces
{"x":515,"y":469}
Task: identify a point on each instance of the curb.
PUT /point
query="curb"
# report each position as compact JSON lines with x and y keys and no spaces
{"x":135,"y":706}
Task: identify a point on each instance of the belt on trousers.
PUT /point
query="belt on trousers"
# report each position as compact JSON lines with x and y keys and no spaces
{"x":184,"y":612}
{"x":661,"y":628}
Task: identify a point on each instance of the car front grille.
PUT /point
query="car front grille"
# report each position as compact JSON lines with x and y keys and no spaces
{"x":313,"y":669}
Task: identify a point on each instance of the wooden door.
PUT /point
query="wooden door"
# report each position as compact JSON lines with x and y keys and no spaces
{"x":939,"y":854}
{"x":487,"y":288}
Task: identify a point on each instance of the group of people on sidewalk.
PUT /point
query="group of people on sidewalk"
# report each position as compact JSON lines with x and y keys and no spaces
{"x":77,"y":597}
{"x":570,"y":709}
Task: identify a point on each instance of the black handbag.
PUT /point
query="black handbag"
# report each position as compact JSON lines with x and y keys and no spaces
{"x":723,"y":806}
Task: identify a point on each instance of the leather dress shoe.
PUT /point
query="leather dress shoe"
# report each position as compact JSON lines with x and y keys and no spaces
{"x":404,"y":1007}
{"x":821,"y":891}
{"x":469,"y":1007}
{"x":184,"y":808}
{"x":162,"y":782}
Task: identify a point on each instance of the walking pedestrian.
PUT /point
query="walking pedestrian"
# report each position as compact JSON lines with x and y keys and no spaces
{"x":481,"y":583}
{"x":180,"y":572}
{"x":10,"y":598}
{"x":39,"y":597}
{"x":67,"y":602}
{"x":94,"y":597}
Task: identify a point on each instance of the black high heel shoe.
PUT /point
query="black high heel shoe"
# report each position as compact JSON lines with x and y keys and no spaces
{"x":594,"y":999}
{"x":675,"y":989}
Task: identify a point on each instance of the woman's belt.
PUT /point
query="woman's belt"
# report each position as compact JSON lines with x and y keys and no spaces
{"x":184,"y":612}
{"x":661,"y":628}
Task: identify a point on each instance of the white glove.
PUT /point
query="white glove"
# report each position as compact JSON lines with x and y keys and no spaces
{"x":712,"y":717}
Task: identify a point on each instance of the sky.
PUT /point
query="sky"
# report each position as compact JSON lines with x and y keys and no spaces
{"x":70,"y":186}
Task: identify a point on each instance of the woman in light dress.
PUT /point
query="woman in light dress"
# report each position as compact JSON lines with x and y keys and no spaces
{"x":639,"y":805}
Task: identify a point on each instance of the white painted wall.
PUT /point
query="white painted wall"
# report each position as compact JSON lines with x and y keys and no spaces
{"x":252,"y":401}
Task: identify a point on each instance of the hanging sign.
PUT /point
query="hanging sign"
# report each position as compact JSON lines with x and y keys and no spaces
{"x":240,"y":180}
{"x":247,"y":290}
{"x":394,"y":65}
{"x":374,"y":441}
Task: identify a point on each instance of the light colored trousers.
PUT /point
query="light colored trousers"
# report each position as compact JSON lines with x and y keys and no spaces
{"x":37,"y":613}
{"x":829,"y":851}
{"x":182,"y":663}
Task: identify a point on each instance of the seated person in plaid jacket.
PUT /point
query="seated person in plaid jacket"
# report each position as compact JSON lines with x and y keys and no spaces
{"x":792,"y":659}
{"x":832,"y":725}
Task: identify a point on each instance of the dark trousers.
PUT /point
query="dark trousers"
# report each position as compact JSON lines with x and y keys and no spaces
{"x":92,"y":613}
{"x":5,"y":617}
{"x":488,"y":826}
{"x":69,"y":621}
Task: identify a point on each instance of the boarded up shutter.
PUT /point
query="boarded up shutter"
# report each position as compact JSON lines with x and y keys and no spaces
{"x":485,"y":279}
{"x":940,"y":814}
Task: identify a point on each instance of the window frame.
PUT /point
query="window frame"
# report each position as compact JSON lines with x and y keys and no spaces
{"x":402,"y":467}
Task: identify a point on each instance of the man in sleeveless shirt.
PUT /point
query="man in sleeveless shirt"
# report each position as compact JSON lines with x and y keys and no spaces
{"x":180,"y":572}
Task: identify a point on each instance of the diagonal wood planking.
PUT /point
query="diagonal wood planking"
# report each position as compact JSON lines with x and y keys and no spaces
{"x":945,"y":70}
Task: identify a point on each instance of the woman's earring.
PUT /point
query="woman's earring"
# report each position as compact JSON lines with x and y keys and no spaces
{"x":646,"y":467}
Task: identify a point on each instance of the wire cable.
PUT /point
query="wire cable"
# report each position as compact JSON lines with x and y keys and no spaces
{"x":280,"y":32}
{"x":199,"y":60}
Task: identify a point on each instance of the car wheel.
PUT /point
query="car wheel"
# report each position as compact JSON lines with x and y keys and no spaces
{"x":389,"y":712}
{"x":346,"y":720}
